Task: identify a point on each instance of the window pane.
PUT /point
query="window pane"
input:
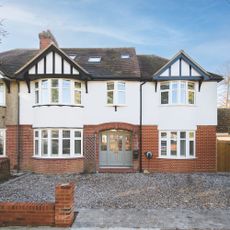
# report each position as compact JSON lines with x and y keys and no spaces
{"x":191,"y":135}
{"x":191,"y":85}
{"x":55,"y":133}
{"x":77,"y":97}
{"x":77,"y":134}
{"x":173,"y":147}
{"x":44,"y":92}
{"x":66,"y":83}
{"x":191,"y":148}
{"x":173,"y":135}
{"x":183,"y":93}
{"x":54,"y":95}
{"x":183,"y":147}
{"x":121,"y":97}
{"x":77,"y":147}
{"x":36,"y":97}
{"x":191,"y":97}
{"x":110,"y":86}
{"x":182,"y":134}
{"x":36,"y":147}
{"x":110,"y":97}
{"x":128,"y":146}
{"x":174,"y":96}
{"x":66,"y":146}
{"x":121,"y":86}
{"x":1,"y":97}
{"x":66,"y":96}
{"x":103,"y":142}
{"x":36,"y":133}
{"x":163,"y":148}
{"x":164,"y":97}
{"x":163,"y":135}
{"x":66,"y":134}
{"x":164,"y":86}
{"x":36,"y":85}
{"x":55,"y":147}
{"x":54,"y":83}
{"x":77,"y":85}
{"x":44,"y":134}
{"x":44,"y":147}
{"x":120,"y":137}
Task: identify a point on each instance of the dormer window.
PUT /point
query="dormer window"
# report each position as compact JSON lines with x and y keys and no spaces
{"x":177,"y":93}
{"x":125,"y":56}
{"x":95,"y":59}
{"x":116,"y":93}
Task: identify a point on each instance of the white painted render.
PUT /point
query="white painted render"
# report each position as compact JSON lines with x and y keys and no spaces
{"x":96,"y":111}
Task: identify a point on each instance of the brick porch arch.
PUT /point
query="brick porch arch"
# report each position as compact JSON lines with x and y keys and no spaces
{"x":91,"y":142}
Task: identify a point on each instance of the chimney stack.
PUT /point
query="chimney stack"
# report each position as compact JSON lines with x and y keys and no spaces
{"x":46,"y":38}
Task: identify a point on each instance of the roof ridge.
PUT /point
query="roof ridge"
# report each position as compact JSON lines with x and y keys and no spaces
{"x":153,"y":55}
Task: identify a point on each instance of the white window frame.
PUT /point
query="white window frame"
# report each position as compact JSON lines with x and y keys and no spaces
{"x":115,"y":93}
{"x":60,"y":139}
{"x":4,"y":142}
{"x":179,"y":99}
{"x":60,"y":92}
{"x":168,"y":139}
{"x":3,"y":94}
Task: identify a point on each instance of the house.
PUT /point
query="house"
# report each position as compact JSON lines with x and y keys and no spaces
{"x":70,"y":110}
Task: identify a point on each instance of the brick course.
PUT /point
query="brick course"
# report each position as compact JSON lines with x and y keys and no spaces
{"x":60,"y":213}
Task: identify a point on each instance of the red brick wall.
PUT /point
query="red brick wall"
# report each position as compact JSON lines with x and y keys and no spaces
{"x":60,"y":213}
{"x":50,"y":166}
{"x":205,"y":160}
{"x":94,"y":131}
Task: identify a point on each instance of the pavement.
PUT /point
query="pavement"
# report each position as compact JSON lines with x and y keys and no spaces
{"x":157,"y":219}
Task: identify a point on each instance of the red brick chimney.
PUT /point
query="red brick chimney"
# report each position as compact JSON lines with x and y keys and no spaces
{"x":46,"y":38}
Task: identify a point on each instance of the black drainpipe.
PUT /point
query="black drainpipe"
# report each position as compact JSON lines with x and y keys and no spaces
{"x":140,"y":141}
{"x":18,"y":129}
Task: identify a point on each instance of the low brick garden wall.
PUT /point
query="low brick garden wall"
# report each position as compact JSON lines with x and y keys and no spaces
{"x":59,"y":214}
{"x":4,"y":169}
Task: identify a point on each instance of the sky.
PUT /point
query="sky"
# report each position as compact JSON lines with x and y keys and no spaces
{"x":160,"y":27}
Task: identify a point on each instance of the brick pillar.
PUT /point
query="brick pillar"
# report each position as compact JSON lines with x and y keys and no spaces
{"x":64,"y":205}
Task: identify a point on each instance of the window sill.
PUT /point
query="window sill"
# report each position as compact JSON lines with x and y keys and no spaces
{"x":116,"y":105}
{"x":2,"y":106}
{"x":59,"y":105}
{"x":58,"y":158}
{"x":3,"y":156}
{"x":178,"y":158}
{"x":176,"y":105}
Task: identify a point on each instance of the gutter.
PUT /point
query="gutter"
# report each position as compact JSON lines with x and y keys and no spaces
{"x":18,"y":129}
{"x":140,"y":125}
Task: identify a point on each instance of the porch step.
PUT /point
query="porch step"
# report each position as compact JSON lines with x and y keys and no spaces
{"x":116,"y":170}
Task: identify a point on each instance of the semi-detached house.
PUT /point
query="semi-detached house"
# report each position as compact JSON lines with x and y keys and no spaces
{"x":70,"y":110}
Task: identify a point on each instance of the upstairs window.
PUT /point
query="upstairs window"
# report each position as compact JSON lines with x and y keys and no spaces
{"x":2,"y":94}
{"x":177,"y":93}
{"x":58,"y":91}
{"x":125,"y":56}
{"x":177,"y":144}
{"x":116,"y":93}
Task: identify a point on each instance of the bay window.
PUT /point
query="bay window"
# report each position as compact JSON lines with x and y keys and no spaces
{"x":177,"y":144}
{"x":116,"y":93}
{"x":177,"y":93}
{"x":58,"y":91}
{"x":59,"y":143}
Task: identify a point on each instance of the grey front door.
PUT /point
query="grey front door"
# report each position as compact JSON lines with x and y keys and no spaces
{"x":115,"y":149}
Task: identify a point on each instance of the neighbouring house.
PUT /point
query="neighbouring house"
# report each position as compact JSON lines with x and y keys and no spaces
{"x":71,"y":110}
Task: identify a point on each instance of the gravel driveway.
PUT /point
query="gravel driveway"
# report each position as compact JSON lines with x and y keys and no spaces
{"x":140,"y":191}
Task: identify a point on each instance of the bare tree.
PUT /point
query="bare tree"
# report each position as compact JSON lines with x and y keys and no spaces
{"x":224,"y":88}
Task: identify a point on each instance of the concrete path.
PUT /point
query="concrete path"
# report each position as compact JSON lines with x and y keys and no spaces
{"x":153,"y":218}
